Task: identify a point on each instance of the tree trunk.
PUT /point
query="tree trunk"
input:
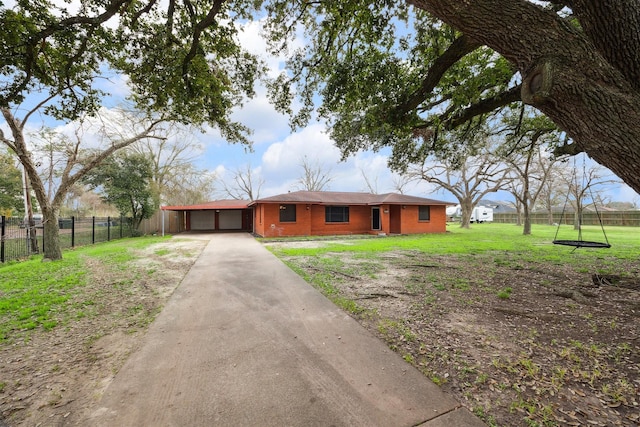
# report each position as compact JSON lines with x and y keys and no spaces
{"x":550,"y":214}
{"x":576,"y":82}
{"x":466,"y":209}
{"x":526,"y":230}
{"x":51,"y":238}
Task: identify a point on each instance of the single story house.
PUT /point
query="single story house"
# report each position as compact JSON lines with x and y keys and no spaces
{"x":316,"y":213}
{"x":218,"y":215}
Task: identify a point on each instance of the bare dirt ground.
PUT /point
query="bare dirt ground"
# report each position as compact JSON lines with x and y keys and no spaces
{"x":519,"y":344}
{"x":49,"y":377}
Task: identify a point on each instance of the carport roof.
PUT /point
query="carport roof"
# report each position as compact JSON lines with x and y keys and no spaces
{"x":213,"y":205}
{"x":348,"y":198}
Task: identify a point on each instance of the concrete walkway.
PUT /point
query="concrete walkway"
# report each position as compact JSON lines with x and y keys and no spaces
{"x":244,"y":341}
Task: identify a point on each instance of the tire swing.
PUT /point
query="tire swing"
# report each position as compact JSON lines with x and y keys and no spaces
{"x":579,"y":242}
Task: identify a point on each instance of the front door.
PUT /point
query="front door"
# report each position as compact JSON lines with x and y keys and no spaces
{"x":375,"y":218}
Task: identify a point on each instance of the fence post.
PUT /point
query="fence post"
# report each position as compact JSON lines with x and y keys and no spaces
{"x":4,"y":219}
{"x":93,"y":230}
{"x":108,"y":229}
{"x":73,"y":231}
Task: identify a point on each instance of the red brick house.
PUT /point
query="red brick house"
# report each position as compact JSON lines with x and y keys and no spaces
{"x":316,"y":213}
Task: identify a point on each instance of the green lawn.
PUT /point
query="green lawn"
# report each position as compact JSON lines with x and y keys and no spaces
{"x":483,"y":238}
{"x":36,"y":294}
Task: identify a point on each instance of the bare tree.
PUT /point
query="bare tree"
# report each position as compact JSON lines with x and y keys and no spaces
{"x":400,"y":182}
{"x":554,"y":191}
{"x":371,"y":183}
{"x":175,"y":179}
{"x":245,"y":183}
{"x":315,"y":176}
{"x":469,"y":181}
{"x":114,"y":133}
{"x":531,"y":164}
{"x":584,"y":187}
{"x":530,"y":172}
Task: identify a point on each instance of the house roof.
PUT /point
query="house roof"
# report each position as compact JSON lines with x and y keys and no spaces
{"x":216,"y":204}
{"x":347,"y":198}
{"x":314,"y":198}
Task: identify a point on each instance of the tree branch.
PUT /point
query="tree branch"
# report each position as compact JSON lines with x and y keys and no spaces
{"x":483,"y":106}
{"x":456,"y":51}
{"x":208,"y":21}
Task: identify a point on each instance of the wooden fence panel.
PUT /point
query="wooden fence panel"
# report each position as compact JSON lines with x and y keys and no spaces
{"x":619,"y":218}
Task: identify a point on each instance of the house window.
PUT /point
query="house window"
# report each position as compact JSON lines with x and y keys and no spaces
{"x":287,"y":213}
{"x":424,"y":213}
{"x":336,"y":213}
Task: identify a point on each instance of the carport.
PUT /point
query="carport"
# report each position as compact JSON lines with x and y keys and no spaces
{"x":218,"y":215}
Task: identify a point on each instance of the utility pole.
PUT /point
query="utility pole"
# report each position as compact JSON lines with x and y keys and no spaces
{"x":30,"y":224}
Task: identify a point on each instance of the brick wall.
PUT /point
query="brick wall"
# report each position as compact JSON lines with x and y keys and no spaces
{"x":310,"y":221}
{"x":411,"y":225}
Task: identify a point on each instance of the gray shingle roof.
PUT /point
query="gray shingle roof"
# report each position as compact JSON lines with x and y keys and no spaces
{"x":348,"y":198}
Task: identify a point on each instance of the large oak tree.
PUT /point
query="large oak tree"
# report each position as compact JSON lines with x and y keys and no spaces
{"x":391,"y":75}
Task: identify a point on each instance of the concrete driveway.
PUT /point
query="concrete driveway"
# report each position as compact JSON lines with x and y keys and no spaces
{"x":244,"y":341}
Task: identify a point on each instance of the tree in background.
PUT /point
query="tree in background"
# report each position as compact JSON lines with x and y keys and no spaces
{"x":175,"y":178}
{"x":370,"y":182}
{"x":11,"y":195}
{"x":469,"y":172}
{"x":400,"y":182}
{"x":315,"y":176}
{"x":125,"y":181}
{"x":526,"y":151}
{"x":390,"y":75}
{"x":583,"y":188}
{"x":245,"y":183}
{"x":554,"y":190}
{"x":82,"y":202}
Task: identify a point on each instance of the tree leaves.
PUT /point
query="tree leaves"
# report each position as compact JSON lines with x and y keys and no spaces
{"x":182,"y":59}
{"x":388,"y":76}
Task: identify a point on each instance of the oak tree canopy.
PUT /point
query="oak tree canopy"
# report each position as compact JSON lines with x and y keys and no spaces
{"x":399,"y":73}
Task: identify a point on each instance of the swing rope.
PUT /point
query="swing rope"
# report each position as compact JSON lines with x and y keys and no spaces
{"x":580,"y":243}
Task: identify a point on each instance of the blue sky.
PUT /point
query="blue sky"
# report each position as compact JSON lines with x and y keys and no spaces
{"x":278,"y":152}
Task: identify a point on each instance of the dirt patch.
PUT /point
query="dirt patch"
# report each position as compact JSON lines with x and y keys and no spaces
{"x":49,"y":377}
{"x":518,"y":343}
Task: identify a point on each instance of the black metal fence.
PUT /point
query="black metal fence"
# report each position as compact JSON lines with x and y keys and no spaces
{"x":16,"y":244}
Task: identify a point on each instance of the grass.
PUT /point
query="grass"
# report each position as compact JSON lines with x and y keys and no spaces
{"x":499,"y":239}
{"x":37,"y":295}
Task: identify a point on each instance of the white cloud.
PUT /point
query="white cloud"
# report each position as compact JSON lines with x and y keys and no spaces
{"x":258,"y":113}
{"x":251,"y":37}
{"x":312,"y":142}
